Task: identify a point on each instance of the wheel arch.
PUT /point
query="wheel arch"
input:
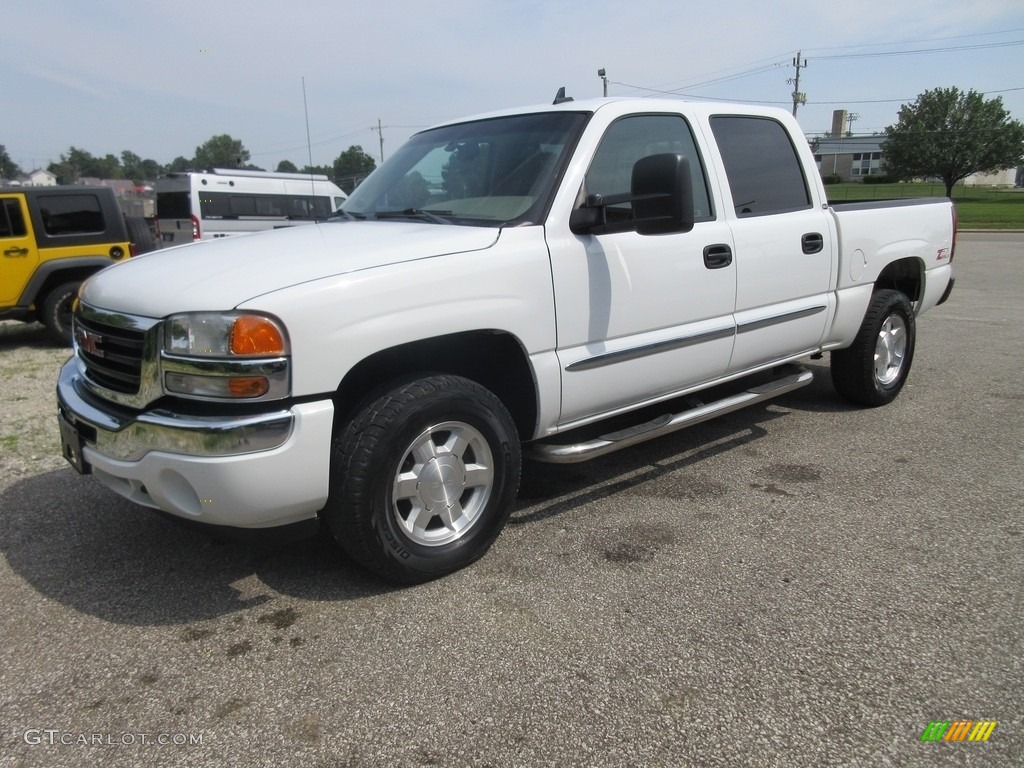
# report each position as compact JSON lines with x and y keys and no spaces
{"x":904,"y":275}
{"x":51,"y":274}
{"x":494,"y":359}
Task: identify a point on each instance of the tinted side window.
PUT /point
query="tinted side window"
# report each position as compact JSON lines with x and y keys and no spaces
{"x":633,"y":138}
{"x":762,"y":165}
{"x":321,"y":207}
{"x":269,"y":206}
{"x":70,"y":214}
{"x":11,"y":222}
{"x":232,"y":205}
{"x":241,"y":206}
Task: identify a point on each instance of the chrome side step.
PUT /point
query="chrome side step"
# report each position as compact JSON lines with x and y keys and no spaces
{"x":568,"y":453}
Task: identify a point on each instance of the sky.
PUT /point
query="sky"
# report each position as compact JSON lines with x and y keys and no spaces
{"x":160,"y":77}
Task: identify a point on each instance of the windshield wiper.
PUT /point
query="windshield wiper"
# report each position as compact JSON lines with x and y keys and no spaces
{"x":435,"y":217}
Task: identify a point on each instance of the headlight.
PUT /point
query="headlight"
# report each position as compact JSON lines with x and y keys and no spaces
{"x":223,"y":334}
{"x":225,"y":356}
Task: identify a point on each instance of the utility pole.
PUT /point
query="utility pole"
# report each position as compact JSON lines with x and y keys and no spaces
{"x":798,"y":97}
{"x":851,"y":118}
{"x":604,"y":78}
{"x":380,"y":130}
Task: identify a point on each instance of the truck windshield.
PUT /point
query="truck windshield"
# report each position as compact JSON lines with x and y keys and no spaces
{"x":488,"y":172}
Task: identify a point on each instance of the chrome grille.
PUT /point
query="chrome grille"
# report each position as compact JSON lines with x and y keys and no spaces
{"x":112,"y":355}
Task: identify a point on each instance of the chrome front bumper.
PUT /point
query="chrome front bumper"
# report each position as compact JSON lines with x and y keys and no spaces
{"x":122,"y":434}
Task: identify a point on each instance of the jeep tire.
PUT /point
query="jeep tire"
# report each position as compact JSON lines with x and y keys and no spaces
{"x":56,"y":312}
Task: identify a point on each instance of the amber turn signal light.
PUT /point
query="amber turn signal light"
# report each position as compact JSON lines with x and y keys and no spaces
{"x":248,"y":386}
{"x":256,"y":335}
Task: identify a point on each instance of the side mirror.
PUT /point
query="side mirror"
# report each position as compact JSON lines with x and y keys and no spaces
{"x":662,"y":193}
{"x":661,"y":196}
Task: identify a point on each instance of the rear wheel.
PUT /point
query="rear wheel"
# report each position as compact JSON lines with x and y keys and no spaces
{"x":873,"y":369}
{"x":56,"y":312}
{"x":423,"y":478}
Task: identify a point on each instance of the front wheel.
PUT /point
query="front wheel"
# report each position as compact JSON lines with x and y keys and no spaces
{"x":873,"y":369}
{"x":423,"y":478}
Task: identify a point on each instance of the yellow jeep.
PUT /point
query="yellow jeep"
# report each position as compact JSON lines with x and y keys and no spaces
{"x":51,"y":239}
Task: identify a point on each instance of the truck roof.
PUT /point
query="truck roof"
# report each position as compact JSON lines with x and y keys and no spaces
{"x":628,"y":104}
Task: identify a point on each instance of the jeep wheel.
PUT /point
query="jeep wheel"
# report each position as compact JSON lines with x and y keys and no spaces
{"x":874,"y":368}
{"x":140,"y":235}
{"x":423,"y":478}
{"x":56,"y":312}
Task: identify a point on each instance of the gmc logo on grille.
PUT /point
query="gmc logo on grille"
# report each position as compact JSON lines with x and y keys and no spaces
{"x":88,"y":341}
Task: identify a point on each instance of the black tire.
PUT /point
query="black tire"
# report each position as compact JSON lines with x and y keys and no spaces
{"x":873,"y":369}
{"x":140,"y":235}
{"x":56,"y":312}
{"x":410,"y":521}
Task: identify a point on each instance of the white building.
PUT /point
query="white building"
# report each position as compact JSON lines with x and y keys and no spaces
{"x":850,"y":157}
{"x":41,"y":177}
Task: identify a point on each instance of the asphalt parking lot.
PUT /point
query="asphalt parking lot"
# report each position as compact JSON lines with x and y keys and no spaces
{"x":799,"y":584}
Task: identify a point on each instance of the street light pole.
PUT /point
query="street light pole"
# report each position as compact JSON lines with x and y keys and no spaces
{"x":604,"y":79}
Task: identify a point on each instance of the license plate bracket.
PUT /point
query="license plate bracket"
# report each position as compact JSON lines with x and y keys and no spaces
{"x":71,"y":445}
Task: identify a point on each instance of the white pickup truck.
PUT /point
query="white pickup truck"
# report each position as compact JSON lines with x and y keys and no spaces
{"x":558,"y":281}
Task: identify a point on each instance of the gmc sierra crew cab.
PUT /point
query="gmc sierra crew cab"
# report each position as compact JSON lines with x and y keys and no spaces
{"x":554,"y":282}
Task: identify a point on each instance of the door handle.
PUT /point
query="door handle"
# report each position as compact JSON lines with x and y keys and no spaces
{"x":812,"y":242}
{"x":717,"y":256}
{"x":16,"y":252}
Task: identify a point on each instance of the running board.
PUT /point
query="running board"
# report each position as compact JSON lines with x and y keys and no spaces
{"x":558,"y":453}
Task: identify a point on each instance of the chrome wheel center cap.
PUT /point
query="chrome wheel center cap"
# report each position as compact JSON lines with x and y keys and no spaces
{"x":442,"y":482}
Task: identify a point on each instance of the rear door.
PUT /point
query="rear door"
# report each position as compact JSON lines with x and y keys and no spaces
{"x":784,"y":245}
{"x":177,"y":222}
{"x":18,"y":250}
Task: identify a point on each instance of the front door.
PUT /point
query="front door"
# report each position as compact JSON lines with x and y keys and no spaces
{"x":18,"y":252}
{"x":641,"y":317}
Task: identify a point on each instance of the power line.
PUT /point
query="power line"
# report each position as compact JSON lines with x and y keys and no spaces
{"x":917,"y":42}
{"x":811,"y":101}
{"x":277,"y":149}
{"x":913,"y":52}
{"x":725,"y":78}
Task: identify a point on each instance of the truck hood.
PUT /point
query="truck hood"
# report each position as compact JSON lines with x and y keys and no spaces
{"x":221,"y":274}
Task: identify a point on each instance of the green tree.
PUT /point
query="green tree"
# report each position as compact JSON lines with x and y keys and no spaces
{"x":139,"y":170}
{"x":351,"y":166}
{"x":131,"y":164}
{"x":72,"y":166}
{"x":77,"y":163}
{"x":325,"y":170}
{"x":107,"y":167}
{"x":287,"y":166}
{"x":951,"y":134}
{"x":8,"y":168}
{"x":221,"y":152}
{"x":179,"y":164}
{"x":151,"y":170}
